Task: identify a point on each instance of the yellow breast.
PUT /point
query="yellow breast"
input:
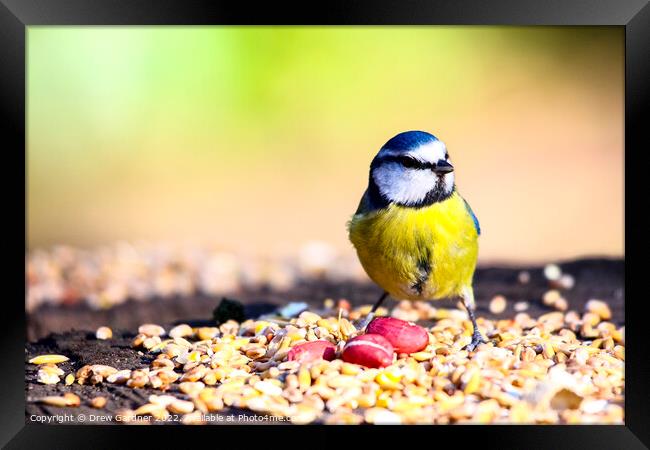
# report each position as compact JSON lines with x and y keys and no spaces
{"x":393,"y":245}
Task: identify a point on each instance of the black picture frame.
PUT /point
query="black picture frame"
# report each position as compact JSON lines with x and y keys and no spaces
{"x":633,"y":15}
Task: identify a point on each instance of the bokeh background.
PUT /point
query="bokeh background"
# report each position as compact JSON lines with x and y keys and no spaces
{"x":260,"y":138}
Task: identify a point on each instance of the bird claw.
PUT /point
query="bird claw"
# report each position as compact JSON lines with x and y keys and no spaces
{"x":365,"y":322}
{"x":477,"y":339}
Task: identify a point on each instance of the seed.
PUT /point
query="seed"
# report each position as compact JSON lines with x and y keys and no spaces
{"x":68,"y":399}
{"x":69,"y":379}
{"x":48,"y":359}
{"x":256,"y":353}
{"x":566,"y":281}
{"x":381,"y":416}
{"x":498,"y":304}
{"x":370,"y":350}
{"x":150,"y":329}
{"x":599,"y":308}
{"x":138,"y":340}
{"x":150,"y":342}
{"x":103,"y":370}
{"x":195,"y":418}
{"x":486,"y":411}
{"x":103,"y":333}
{"x":548,"y":351}
{"x":387,"y":383}
{"x":163,"y":400}
{"x":405,"y":337}
{"x":195,"y":374}
{"x":520,"y":413}
{"x":552,"y":272}
{"x":151,"y":409}
{"x":304,"y":379}
{"x":268,"y":388}
{"x":138,"y":379}
{"x":119,"y":377}
{"x":98,"y":402}
{"x":561,"y":304}
{"x":204,"y":333}
{"x":46,"y":377}
{"x":162,"y":362}
{"x":310,"y":351}
{"x":347,"y":329}
{"x":619,"y":352}
{"x":180,"y":407}
{"x":588,"y":331}
{"x":581,"y":356}
{"x":550,"y":297}
{"x":473,"y":380}
{"x":304,"y":415}
{"x":309,"y":317}
{"x":211,"y":398}
{"x":181,"y":331}
{"x":591,"y":319}
{"x":523,"y":277}
{"x":191,"y":388}
{"x":528,"y":354}
{"x":350,"y":369}
{"x":51,"y":369}
{"x":521,"y":306}
{"x":290,"y":366}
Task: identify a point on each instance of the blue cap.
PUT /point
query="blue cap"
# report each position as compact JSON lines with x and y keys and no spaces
{"x":409,"y":140}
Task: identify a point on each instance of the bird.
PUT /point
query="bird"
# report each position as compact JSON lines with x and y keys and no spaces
{"x":414,"y":234}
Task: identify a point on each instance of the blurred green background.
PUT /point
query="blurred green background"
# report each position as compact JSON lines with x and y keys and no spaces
{"x":259,"y":138}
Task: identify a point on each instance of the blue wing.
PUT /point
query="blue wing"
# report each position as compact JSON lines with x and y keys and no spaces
{"x":370,"y":203}
{"x":471,"y":213}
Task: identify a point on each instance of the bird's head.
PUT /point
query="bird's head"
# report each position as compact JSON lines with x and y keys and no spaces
{"x":412,"y":169}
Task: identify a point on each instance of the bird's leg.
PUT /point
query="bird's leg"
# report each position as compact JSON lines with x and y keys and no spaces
{"x":468,"y":303}
{"x":371,"y":315}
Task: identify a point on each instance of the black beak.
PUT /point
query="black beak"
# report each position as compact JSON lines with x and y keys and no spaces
{"x":443,"y":167}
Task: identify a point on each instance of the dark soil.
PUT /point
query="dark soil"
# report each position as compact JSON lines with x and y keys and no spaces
{"x":594,"y":278}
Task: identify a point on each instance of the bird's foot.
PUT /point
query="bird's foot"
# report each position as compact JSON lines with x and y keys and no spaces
{"x":361,"y":326}
{"x":477,"y":339}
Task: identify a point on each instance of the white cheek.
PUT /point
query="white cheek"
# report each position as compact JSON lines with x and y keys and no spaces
{"x":404,"y":185}
{"x":449,"y":182}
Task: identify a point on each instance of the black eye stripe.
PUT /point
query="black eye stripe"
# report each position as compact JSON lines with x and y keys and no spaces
{"x":405,"y":161}
{"x":408,"y":162}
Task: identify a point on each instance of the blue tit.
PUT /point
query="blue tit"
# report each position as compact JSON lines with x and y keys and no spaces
{"x":414,"y":234}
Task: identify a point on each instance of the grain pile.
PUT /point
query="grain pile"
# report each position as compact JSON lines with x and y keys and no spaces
{"x":110,"y":275}
{"x":561,"y":367}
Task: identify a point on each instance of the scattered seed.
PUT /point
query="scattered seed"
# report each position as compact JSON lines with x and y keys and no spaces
{"x":498,"y":304}
{"x":98,"y":402}
{"x":67,"y":399}
{"x":104,"y":333}
{"x":599,"y":308}
{"x":180,"y":407}
{"x":561,"y":304}
{"x":521,"y":306}
{"x":247,"y":366}
{"x":150,"y":329}
{"x":179,"y":331}
{"x":552,"y":272}
{"x":566,"y":281}
{"x":524,"y":277}
{"x":46,"y":377}
{"x":48,"y":359}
